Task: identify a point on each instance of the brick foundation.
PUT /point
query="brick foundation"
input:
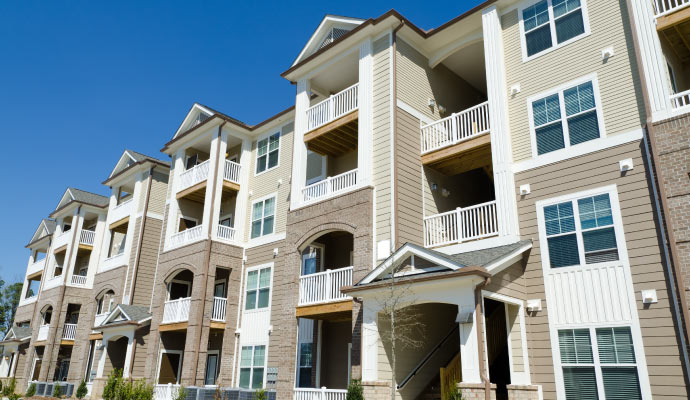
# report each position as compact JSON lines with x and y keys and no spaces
{"x":377,"y":390}
{"x":523,"y":392}
{"x":475,"y":391}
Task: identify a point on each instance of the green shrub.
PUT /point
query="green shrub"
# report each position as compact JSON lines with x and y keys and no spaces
{"x":14,"y":396}
{"x":181,"y":393}
{"x":455,"y":393}
{"x":10,"y":387}
{"x":110,"y":390}
{"x":82,"y":391}
{"x":260,"y":394}
{"x":355,"y":390}
{"x":56,"y":391}
{"x":31,"y":391}
{"x":142,"y":391}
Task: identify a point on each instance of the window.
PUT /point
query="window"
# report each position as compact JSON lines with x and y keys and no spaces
{"x":550,"y":23}
{"x":305,"y":364}
{"x":613,"y":365}
{"x":252,"y":367}
{"x":589,"y":238}
{"x":118,"y":239}
{"x":267,"y":153}
{"x":258,"y":289}
{"x":191,"y":161}
{"x":211,"y":368}
{"x":187,"y":223}
{"x":263,"y":212}
{"x":566,"y":118}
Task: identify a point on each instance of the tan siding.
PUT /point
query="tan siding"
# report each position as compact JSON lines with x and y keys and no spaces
{"x":643,"y":251}
{"x":159,"y":187}
{"x":267,"y":182}
{"x":147,"y":262}
{"x":142,"y":338}
{"x":409,"y":180}
{"x":619,"y":85}
{"x":381,"y":137}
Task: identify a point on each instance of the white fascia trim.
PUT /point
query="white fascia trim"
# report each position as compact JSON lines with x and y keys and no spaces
{"x":403,"y":252}
{"x":413,"y":111}
{"x":578,"y":150}
{"x":478,"y":244}
{"x":328,"y":19}
{"x":195,"y":106}
{"x":264,"y":240}
{"x":507,"y":260}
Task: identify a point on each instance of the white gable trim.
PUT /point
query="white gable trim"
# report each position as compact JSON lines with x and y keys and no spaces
{"x":509,"y":259}
{"x":65,"y":199}
{"x":408,"y":250}
{"x":193,"y":112}
{"x":120,"y":166}
{"x":321,"y":31}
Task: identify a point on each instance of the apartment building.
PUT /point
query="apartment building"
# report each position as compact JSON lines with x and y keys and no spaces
{"x":489,"y":180}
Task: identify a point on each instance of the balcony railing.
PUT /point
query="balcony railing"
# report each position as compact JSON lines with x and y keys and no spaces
{"x":330,"y":186}
{"x":36,"y":266}
{"x":193,"y":176}
{"x":69,"y":332}
{"x":120,"y":211}
{"x":226,"y":233}
{"x":176,"y":310}
{"x":324,"y":287}
{"x":87,"y":237}
{"x":187,"y":236}
{"x":461,"y":225}
{"x":165,"y":392}
{"x":79,"y":280}
{"x":99,"y":318}
{"x":43,"y":332}
{"x":333,"y":107}
{"x":319,"y":394}
{"x":680,"y":100}
{"x":456,"y":128}
{"x":232,"y":172}
{"x":220,"y":305}
{"x":665,"y":7}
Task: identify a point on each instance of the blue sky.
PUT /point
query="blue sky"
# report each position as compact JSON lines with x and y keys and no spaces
{"x":82,"y":80}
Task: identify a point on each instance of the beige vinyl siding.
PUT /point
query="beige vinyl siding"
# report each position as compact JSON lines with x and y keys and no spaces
{"x":417,"y":83}
{"x":132,"y":254}
{"x":514,"y":325}
{"x":147,"y":262}
{"x":619,"y":85}
{"x":588,"y":172}
{"x":159,"y":187}
{"x":408,"y":166}
{"x":381,"y":173}
{"x":267,"y":182}
{"x":141,"y":340}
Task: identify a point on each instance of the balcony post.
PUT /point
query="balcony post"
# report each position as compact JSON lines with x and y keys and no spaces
{"x":299,"y":154}
{"x":128,"y":356}
{"x":459,"y":225}
{"x":364,"y":104}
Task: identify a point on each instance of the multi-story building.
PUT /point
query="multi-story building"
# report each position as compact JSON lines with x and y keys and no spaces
{"x":483,"y":189}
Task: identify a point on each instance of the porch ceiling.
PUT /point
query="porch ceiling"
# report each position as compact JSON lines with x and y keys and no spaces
{"x":461,"y":157}
{"x":334,"y":312}
{"x":335,"y":138}
{"x":675,"y":29}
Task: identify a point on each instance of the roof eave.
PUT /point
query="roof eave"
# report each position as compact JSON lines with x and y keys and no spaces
{"x":134,"y":166}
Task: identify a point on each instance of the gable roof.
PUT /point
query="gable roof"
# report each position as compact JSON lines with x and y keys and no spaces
{"x":81,"y":196}
{"x":129,"y":159}
{"x":126,"y":314}
{"x":45,"y":228}
{"x":18,"y":333}
{"x":319,"y":38}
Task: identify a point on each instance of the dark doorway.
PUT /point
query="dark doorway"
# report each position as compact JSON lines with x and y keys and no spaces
{"x":497,"y":346}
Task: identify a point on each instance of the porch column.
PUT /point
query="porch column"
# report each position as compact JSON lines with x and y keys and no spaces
{"x":501,"y":150}
{"x":370,"y":342}
{"x":469,"y":348}
{"x":218,"y":183}
{"x":13,"y":366}
{"x":241,"y":202}
{"x":365,"y":124}
{"x":101,"y":361}
{"x":299,"y":153}
{"x":128,"y":356}
{"x":212,"y":179}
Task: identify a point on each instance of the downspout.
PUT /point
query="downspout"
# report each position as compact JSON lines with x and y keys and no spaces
{"x":394,"y":150}
{"x":240,"y":304}
{"x":141,"y":237}
{"x":479,"y":312}
{"x":209,"y":231}
{"x":672,"y":261}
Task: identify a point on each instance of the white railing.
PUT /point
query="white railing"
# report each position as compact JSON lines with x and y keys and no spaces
{"x":320,"y":394}
{"x":330,"y":186}
{"x":334,"y":107}
{"x":193,"y":176}
{"x":324,"y":287}
{"x":36,"y":266}
{"x":176,"y":310}
{"x":99,"y":318}
{"x":226,"y":233}
{"x":457,"y":128}
{"x":43,"y":332}
{"x":461,"y":224}
{"x":665,"y":7}
{"x":62,"y":239}
{"x":113,"y":261}
{"x":682,"y":99}
{"x":53,"y":282}
{"x":219,"y":306}
{"x":79,"y":280}
{"x":232,"y":171}
{"x":187,"y":236}
{"x":69,"y":332}
{"x":87,"y":237}
{"x":120,"y":211}
{"x":165,"y":392}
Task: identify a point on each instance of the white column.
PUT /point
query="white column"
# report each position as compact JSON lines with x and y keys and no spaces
{"x":14,"y":364}
{"x":218,"y":182}
{"x":469,"y":349}
{"x":177,"y":169}
{"x":501,"y":149}
{"x":365,"y":101}
{"x":128,"y":356}
{"x":242,"y":203}
{"x":78,"y":224}
{"x":212,"y":175}
{"x":653,"y":62}
{"x":101,"y":361}
{"x":299,"y":153}
{"x":370,"y":341}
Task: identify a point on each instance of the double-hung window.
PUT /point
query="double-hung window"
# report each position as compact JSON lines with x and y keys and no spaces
{"x":549,"y":23}
{"x":565,"y":118}
{"x":599,"y":363}
{"x":580,"y":232}
{"x":252,"y":365}
{"x":258,"y":289}
{"x":267,"y":152}
{"x":305,"y":364}
{"x":263,"y":216}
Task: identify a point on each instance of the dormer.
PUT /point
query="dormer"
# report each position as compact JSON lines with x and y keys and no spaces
{"x":331,"y":28}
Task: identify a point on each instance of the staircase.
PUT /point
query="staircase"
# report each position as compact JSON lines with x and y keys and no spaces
{"x":440,"y":385}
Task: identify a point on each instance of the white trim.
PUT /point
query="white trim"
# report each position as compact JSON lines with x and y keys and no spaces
{"x":179,"y":368}
{"x":263,"y":199}
{"x":263,"y":240}
{"x":578,"y":150}
{"x":413,"y":111}
{"x":559,"y":90}
{"x":552,"y":25}
{"x":186,"y":283}
{"x":270,"y":286}
{"x":267,"y":136}
{"x":507,"y":260}
{"x":318,"y":33}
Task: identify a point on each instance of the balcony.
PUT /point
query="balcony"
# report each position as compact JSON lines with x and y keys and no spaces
{"x":320,"y":394}
{"x":99,"y":318}
{"x":187,"y":236}
{"x":680,"y":100}
{"x":86,"y":239}
{"x":176,"y":310}
{"x":42,"y":333}
{"x":69,"y":332}
{"x":329,"y":187}
{"x":231,"y":175}
{"x":220,"y":305}
{"x":61,"y":241}
{"x":672,"y":19}
{"x":114,"y":261}
{"x":332,"y":124}
{"x":461,"y":225}
{"x":192,"y":182}
{"x":78,"y":280}
{"x":324,"y":287}
{"x":120,"y":211}
{"x":36,"y":267}
{"x":457,"y":143}
{"x":666,"y":7}
{"x":226,"y":233}
{"x":53,"y":282}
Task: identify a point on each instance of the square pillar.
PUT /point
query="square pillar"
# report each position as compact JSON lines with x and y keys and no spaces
{"x":365,"y":123}
{"x":370,"y":342}
{"x":128,"y":356}
{"x":299,"y":152}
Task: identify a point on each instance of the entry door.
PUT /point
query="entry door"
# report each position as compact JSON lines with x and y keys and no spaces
{"x":211,"y":369}
{"x":63,"y":369}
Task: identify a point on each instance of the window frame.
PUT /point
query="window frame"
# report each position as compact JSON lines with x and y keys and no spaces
{"x":256,"y":308}
{"x":552,"y":28}
{"x":267,"y":136}
{"x":179,"y":368}
{"x":559,"y":90}
{"x":263,"y":215}
{"x":252,"y":367}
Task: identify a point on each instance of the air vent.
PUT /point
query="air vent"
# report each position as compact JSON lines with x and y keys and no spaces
{"x":333,"y":35}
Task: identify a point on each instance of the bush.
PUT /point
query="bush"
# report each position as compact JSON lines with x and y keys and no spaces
{"x":81,"y":390}
{"x":110,"y":390}
{"x":31,"y":391}
{"x":142,"y":391}
{"x":181,"y":393}
{"x":9,"y":388}
{"x":260,"y":394}
{"x":455,"y":393}
{"x":56,"y":391}
{"x":355,"y":390}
